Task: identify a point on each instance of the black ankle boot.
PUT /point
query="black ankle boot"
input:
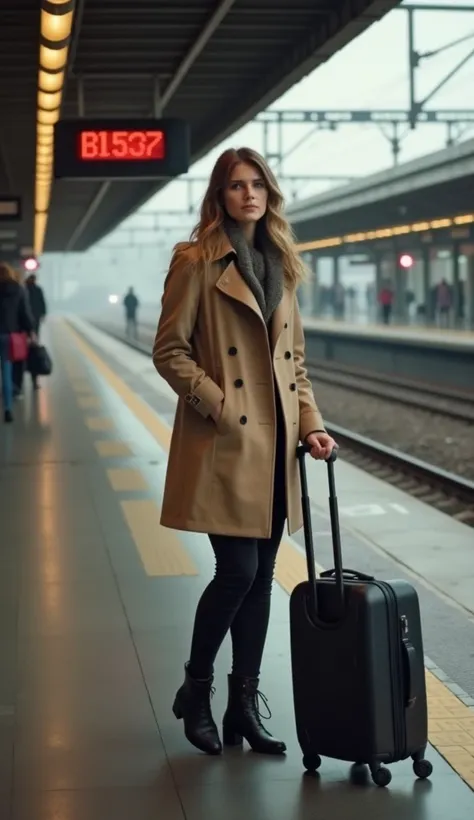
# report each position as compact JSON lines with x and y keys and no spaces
{"x":193,"y":704}
{"x":8,"y":416}
{"x":243,"y":719}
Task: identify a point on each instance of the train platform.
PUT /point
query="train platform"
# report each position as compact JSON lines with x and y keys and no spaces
{"x":414,"y":334}
{"x":97,"y":602}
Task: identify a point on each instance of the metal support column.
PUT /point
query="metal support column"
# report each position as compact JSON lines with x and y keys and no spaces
{"x":470,"y":291}
{"x":457,"y":299}
{"x":315,"y":295}
{"x":426,"y":268}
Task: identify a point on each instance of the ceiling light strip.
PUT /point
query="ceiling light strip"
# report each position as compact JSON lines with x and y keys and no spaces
{"x":56,"y":21}
{"x":383,"y":233}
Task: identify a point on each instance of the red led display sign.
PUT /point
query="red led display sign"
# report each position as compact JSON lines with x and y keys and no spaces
{"x":121,"y":145}
{"x":121,"y":149}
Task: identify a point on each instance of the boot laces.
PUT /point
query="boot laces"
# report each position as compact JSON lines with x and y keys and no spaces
{"x":204,"y":704}
{"x":259,"y":696}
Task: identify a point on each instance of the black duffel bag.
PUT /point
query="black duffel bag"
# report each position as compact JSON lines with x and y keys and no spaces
{"x":39,"y":361}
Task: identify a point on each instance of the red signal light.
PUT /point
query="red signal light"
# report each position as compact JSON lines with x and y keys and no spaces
{"x":406,"y":260}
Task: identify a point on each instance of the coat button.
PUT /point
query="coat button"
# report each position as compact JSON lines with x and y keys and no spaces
{"x":238,"y":383}
{"x":286,"y":325}
{"x":232,"y":351}
{"x":287,"y":355}
{"x":293,"y":386}
{"x":243,"y":419}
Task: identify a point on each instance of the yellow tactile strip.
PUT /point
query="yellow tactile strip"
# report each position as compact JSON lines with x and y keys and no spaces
{"x":160,"y":549}
{"x":451,"y":728}
{"x":127,"y":479}
{"x":99,"y":423}
{"x":451,"y":722}
{"x":113,"y":449}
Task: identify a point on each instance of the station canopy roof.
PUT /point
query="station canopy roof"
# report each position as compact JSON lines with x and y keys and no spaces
{"x":215,"y":63}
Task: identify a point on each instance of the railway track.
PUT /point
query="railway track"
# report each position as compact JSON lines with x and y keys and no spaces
{"x":449,"y":403}
{"x":443,"y":490}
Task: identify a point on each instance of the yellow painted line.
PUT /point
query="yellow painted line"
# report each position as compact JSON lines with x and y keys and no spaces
{"x":160,"y":549}
{"x":127,"y":480}
{"x":290,"y":567}
{"x":142,"y":410}
{"x":451,"y":728}
{"x":456,"y":747}
{"x":88,"y":402}
{"x":98,"y":423}
{"x":112,"y":449}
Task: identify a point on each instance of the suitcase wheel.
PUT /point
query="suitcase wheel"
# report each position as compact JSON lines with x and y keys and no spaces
{"x":311,"y":763}
{"x":422,"y":768}
{"x":381,"y":776}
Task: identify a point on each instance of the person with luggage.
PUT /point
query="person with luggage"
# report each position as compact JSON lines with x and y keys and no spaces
{"x":15,"y":322}
{"x":38,"y":311}
{"x":230,"y":343}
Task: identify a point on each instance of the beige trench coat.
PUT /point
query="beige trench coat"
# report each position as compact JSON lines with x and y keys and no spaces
{"x":212,"y":344}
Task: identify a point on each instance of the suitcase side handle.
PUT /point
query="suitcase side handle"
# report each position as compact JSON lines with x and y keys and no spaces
{"x":301,"y":451}
{"x":350,"y":574}
{"x":410,"y":664}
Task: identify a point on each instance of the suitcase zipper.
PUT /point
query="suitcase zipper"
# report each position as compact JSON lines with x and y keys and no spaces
{"x":399,"y":729}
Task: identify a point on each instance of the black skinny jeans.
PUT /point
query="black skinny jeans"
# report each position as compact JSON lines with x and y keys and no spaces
{"x":238,"y":598}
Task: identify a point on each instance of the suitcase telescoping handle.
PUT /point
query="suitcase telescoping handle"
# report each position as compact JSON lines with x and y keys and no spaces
{"x":301,"y":452}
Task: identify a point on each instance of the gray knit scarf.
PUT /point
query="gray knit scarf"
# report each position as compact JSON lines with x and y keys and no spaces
{"x":261,"y":267}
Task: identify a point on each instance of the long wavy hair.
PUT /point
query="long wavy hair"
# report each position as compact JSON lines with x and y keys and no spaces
{"x":208,"y":231}
{"x":7,"y":273}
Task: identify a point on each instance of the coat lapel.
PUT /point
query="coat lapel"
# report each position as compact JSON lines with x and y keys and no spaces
{"x":232,"y":284}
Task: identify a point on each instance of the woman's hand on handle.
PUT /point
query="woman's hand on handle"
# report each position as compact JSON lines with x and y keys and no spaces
{"x":322,"y":445}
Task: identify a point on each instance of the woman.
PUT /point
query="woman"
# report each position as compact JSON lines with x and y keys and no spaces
{"x":14,"y":318}
{"x":230,"y":343}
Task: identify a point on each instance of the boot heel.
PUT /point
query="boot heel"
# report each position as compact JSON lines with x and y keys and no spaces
{"x":177,"y":711}
{"x":231,"y":738}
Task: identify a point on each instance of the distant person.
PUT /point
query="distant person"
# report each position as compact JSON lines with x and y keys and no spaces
{"x":38,"y":310}
{"x":386,"y":297}
{"x":131,"y":305}
{"x":15,"y":318}
{"x":444,"y":302}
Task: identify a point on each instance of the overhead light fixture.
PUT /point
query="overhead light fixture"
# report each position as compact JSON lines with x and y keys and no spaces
{"x":48,"y":117}
{"x":50,"y":82}
{"x":53,"y":59}
{"x":56,"y":27}
{"x":41,"y":220}
{"x":44,"y":141}
{"x":45,"y":130}
{"x":42,"y":199}
{"x":49,"y":101}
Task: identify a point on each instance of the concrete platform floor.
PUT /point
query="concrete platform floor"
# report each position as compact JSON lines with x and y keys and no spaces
{"x":96,"y":606}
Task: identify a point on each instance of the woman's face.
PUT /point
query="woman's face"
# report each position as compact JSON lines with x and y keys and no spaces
{"x":246,"y":194}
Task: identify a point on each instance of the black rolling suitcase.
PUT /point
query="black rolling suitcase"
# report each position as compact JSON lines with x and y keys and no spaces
{"x":357,"y":661}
